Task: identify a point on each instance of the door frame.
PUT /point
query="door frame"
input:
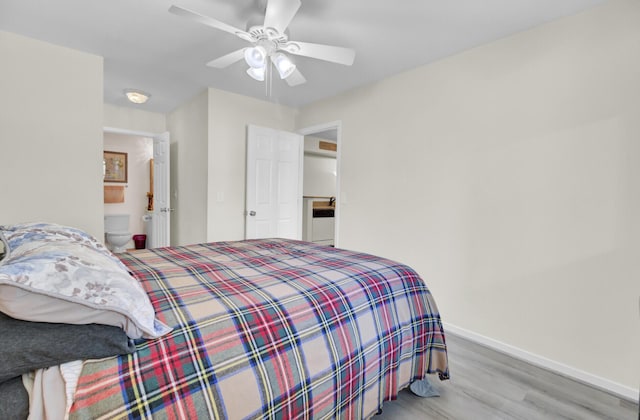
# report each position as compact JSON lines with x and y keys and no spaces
{"x":138,"y":133}
{"x":337,"y":125}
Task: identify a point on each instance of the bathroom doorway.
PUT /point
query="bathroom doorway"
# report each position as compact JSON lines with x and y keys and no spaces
{"x":145,"y":194}
{"x":322,"y":181}
{"x":130,"y":197}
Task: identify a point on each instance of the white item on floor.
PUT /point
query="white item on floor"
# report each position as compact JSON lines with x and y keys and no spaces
{"x":423,"y":388}
{"x":148,"y":226}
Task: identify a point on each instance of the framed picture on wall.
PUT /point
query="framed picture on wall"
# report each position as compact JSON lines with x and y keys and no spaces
{"x":115,"y":166}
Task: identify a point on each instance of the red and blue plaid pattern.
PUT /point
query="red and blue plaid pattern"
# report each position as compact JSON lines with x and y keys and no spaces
{"x":269,"y":329}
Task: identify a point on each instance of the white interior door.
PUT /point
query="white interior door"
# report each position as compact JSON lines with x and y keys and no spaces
{"x":161,"y":220}
{"x":274,"y":184}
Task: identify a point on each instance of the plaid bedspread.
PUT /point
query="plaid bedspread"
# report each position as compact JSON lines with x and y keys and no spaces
{"x":269,"y":329}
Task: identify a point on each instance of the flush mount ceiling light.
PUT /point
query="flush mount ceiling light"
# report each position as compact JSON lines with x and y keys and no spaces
{"x":137,"y":96}
{"x":270,"y":42}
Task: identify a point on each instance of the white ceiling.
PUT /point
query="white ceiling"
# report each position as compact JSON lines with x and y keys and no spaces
{"x":147,"y":48}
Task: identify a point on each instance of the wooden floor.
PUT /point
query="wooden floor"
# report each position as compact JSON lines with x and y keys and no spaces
{"x":486,"y":384}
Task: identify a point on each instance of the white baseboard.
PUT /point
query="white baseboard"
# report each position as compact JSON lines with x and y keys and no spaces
{"x":615,"y":388}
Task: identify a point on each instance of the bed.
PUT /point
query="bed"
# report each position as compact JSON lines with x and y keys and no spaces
{"x":268,"y":328}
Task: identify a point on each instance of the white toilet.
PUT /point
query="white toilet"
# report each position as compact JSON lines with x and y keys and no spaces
{"x":116,"y":231}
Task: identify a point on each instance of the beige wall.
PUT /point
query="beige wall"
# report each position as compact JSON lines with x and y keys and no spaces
{"x":510,"y":175}
{"x":134,"y":119}
{"x":188,"y":126}
{"x":229,"y":115}
{"x":319,"y":176}
{"x":51,"y":118}
{"x":208,"y":146}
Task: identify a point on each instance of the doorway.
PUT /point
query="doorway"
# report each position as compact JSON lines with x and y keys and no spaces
{"x":318,"y":167}
{"x":127,"y":196}
{"x":153,"y":212}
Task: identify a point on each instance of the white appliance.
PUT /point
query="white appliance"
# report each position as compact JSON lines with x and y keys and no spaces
{"x":148,"y":222}
{"x":319,"y":221}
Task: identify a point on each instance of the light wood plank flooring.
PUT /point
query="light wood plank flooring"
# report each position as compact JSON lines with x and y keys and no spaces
{"x":486,"y":384}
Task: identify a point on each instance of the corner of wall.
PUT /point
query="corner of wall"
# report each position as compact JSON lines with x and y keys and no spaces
{"x":189,"y":127}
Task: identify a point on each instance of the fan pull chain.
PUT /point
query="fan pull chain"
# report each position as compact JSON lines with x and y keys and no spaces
{"x":267,"y":74}
{"x":268,"y":84}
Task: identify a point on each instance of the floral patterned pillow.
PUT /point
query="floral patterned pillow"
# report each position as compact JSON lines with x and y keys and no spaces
{"x":51,"y":232}
{"x":53,"y":273}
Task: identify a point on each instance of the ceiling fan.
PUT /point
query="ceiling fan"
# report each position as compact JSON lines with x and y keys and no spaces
{"x":270,"y":43}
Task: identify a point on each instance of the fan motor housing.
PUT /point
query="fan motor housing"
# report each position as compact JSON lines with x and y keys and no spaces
{"x":260,"y":33}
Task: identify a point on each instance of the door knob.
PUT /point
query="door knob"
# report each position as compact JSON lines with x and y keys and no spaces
{"x":252,"y":213}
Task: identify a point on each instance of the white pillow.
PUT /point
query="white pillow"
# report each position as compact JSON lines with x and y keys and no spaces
{"x":56,"y":274}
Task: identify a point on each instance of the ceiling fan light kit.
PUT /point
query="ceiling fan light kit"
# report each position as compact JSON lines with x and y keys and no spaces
{"x":269,"y":41}
{"x":283,"y":64}
{"x":256,"y":73}
{"x":255,"y":56}
{"x":258,"y":57}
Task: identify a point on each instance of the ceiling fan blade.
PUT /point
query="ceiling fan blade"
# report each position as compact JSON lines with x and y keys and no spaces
{"x":209,"y":21}
{"x":227,"y":60}
{"x":296,"y":78}
{"x":280,"y":13}
{"x":337,"y":55}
